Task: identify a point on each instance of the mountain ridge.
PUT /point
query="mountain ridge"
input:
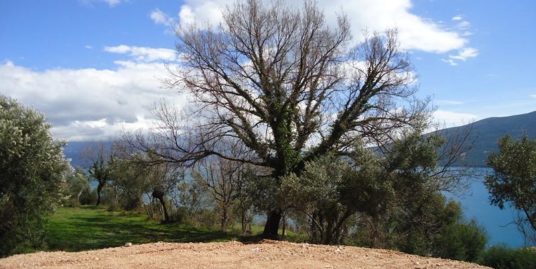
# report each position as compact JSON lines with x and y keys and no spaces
{"x":484,"y":135}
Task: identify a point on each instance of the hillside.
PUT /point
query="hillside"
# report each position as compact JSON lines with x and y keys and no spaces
{"x":486,"y":133}
{"x":74,"y":151}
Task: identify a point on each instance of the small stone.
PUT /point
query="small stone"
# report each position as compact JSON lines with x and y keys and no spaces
{"x":128,"y":244}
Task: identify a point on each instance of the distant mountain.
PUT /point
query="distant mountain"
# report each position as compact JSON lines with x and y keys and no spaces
{"x":74,"y":151}
{"x":486,"y":133}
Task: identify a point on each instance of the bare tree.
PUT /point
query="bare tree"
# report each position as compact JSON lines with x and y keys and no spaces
{"x":221,"y":177}
{"x":288,"y":87}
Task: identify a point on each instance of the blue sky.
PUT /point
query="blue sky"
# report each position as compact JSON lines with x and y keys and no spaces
{"x":95,"y":67}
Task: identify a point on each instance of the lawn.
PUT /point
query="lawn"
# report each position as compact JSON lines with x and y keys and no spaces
{"x":89,"y":227}
{"x":75,"y":229}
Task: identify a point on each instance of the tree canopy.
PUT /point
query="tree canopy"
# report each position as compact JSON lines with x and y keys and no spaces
{"x":31,"y":171}
{"x":514,"y":177}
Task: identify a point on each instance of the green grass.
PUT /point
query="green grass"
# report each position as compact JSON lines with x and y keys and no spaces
{"x":75,"y":229}
{"x":89,"y":227}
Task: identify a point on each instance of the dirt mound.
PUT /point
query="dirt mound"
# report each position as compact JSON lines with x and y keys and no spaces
{"x":267,"y":254}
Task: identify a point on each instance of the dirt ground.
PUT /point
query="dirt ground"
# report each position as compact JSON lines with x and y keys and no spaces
{"x":267,"y":254}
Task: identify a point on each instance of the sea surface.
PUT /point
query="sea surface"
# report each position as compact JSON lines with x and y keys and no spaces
{"x":497,"y":223}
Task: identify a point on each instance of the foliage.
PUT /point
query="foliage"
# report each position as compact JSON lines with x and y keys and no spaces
{"x":417,"y":213}
{"x":500,"y":257}
{"x":88,"y":197}
{"x":329,"y":192}
{"x":395,"y":195}
{"x":31,"y":174}
{"x":514,"y":177}
{"x":461,"y":241}
{"x":100,"y":170}
{"x":77,"y":185}
{"x":129,"y":183}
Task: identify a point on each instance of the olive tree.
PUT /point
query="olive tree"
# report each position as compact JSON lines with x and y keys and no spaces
{"x":101,"y":158}
{"x":289,"y":87}
{"x":31,"y":173}
{"x":513,"y":180}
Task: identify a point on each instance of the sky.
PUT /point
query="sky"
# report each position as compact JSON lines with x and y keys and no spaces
{"x":96,"y":68}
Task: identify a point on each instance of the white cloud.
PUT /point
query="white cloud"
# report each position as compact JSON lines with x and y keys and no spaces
{"x":113,"y":3}
{"x":88,"y":103}
{"x":110,"y":3}
{"x":144,"y":54}
{"x":532,"y":96}
{"x":463,"y":26}
{"x":450,"y":119}
{"x":462,"y":55}
{"x":415,"y":32}
{"x":187,"y":16}
{"x":160,"y":17}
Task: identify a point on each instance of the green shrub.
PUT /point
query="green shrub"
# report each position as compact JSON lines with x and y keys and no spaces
{"x":500,"y":257}
{"x":461,"y":241}
{"x":32,"y":172}
{"x":88,"y":197}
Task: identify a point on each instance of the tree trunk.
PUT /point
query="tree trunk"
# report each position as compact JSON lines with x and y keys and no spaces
{"x":159,"y":193}
{"x":223,"y":223}
{"x":272,"y":224}
{"x":99,"y":189}
{"x":78,"y":196}
{"x":243,"y":221}
{"x":283,"y":229}
{"x":166,"y":216}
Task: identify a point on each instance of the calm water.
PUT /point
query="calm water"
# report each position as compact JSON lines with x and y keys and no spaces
{"x":497,"y":222}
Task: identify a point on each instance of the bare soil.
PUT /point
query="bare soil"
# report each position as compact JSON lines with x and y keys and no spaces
{"x":266,"y":254}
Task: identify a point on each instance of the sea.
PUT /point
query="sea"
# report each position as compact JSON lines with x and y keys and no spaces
{"x":498,"y":223}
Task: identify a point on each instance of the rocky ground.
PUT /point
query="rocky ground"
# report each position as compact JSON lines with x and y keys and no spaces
{"x":267,"y":254}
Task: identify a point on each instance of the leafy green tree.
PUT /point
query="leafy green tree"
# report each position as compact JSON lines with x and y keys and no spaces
{"x":130,"y":180}
{"x":77,"y":184}
{"x":330,"y":191}
{"x":394,"y":196}
{"x":514,"y":177}
{"x":31,"y":172}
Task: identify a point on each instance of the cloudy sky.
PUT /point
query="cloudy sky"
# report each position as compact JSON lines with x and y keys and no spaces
{"x":95,"y":67}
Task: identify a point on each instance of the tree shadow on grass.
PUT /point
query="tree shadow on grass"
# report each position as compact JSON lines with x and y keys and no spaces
{"x":93,"y":232}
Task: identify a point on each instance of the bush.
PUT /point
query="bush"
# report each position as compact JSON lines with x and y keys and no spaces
{"x":76,"y":185}
{"x":500,"y":257}
{"x":88,"y":197}
{"x":461,"y":241}
{"x":31,"y":176}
